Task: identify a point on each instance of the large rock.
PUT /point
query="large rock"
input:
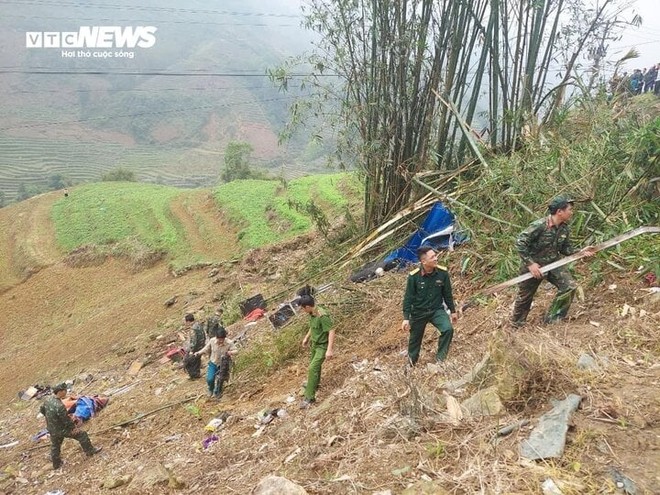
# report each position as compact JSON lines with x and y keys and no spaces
{"x":485,"y":402}
{"x":276,"y":485}
{"x":155,"y":475}
{"x":548,"y":439}
{"x":115,"y":481}
{"x":473,"y":375}
{"x":423,"y":487}
{"x":587,"y":362}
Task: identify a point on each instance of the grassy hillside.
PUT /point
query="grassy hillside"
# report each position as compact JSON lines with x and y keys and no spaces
{"x":126,"y":216}
{"x":111,"y":212}
{"x":262,"y":210}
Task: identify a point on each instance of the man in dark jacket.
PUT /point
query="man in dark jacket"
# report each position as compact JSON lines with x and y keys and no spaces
{"x":427,"y":288}
{"x":196,"y":340}
{"x":543,"y":242}
{"x":61,"y":426}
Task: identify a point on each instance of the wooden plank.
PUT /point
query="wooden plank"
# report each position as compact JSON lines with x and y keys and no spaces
{"x":135,"y":368}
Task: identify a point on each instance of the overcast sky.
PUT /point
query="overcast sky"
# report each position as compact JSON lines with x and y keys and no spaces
{"x":646,"y":38}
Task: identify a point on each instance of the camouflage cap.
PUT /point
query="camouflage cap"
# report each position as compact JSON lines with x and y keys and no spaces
{"x":59,"y":387}
{"x":561,"y":201}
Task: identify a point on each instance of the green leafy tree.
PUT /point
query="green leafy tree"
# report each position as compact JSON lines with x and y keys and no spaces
{"x":58,"y":181}
{"x":26,"y":192}
{"x":119,"y":175}
{"x":238,"y":156}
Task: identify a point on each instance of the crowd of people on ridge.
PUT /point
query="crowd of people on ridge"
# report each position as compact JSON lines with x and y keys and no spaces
{"x":640,"y":81}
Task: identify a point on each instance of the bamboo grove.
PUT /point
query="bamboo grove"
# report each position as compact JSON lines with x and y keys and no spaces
{"x":411,"y":85}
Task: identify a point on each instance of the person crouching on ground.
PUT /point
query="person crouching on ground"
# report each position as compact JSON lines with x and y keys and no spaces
{"x":221,"y":350}
{"x":323,"y":339}
{"x":61,"y":426}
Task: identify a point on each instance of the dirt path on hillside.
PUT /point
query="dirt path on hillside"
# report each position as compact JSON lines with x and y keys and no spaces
{"x":28,"y":238}
{"x":207,"y":232}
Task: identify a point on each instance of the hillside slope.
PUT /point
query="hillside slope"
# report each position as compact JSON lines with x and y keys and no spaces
{"x":375,"y":428}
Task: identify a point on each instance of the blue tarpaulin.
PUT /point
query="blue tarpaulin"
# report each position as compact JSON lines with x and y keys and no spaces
{"x":435,"y":231}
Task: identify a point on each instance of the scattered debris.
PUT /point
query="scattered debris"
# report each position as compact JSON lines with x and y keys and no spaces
{"x":135,"y":367}
{"x":121,"y":390}
{"x":156,"y":475}
{"x":216,"y":423}
{"x":209,"y":441}
{"x":623,"y":482}
{"x":594,"y":323}
{"x":507,"y":430}
{"x":249,"y":305}
{"x":9,"y":445}
{"x":625,"y":310}
{"x":282,"y":316}
{"x":34,"y":392}
{"x":292,"y":455}
{"x":454,"y":409}
{"x":485,"y":402}
{"x":474,"y":374}
{"x":276,"y":485}
{"x":171,"y":301}
{"x":549,"y":487}
{"x":266,"y":416}
{"x":115,"y":482}
{"x":548,"y":439}
{"x":425,"y":487}
{"x":588,"y":363}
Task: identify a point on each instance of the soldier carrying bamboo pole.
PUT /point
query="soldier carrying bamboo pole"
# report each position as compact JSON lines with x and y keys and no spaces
{"x":544,"y":242}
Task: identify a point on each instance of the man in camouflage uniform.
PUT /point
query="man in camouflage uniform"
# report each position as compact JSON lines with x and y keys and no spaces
{"x":543,"y":242}
{"x":196,"y":340}
{"x":426,"y":289}
{"x":61,"y":426}
{"x":214,"y":323}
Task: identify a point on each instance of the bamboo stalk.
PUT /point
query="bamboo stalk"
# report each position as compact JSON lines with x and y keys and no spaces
{"x":449,"y":199}
{"x":465,"y":130}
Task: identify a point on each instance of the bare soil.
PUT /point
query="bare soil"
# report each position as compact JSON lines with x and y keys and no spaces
{"x":373,"y":428}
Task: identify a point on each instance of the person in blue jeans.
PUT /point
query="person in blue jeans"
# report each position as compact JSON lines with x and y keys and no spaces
{"x":221,"y":350}
{"x":322,"y":337}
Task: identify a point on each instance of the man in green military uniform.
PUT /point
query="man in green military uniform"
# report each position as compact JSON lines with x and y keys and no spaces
{"x":543,"y":242}
{"x":322,"y":336}
{"x":427,"y":288}
{"x":61,"y":426}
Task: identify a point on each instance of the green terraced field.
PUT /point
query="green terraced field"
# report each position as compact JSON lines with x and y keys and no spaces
{"x":260,"y":207}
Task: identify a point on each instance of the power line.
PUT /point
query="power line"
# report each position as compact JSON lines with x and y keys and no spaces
{"x":139,"y":90}
{"x":87,"y":6}
{"x":149,"y":73}
{"x":151,"y":21}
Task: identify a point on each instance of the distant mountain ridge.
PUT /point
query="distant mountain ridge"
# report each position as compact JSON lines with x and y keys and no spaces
{"x":169,"y":129}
